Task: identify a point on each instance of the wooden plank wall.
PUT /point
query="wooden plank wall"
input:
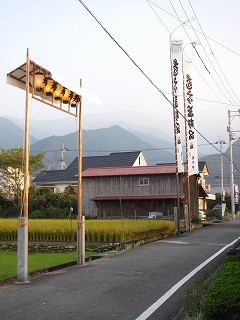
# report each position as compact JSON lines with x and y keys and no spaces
{"x":125,"y":186}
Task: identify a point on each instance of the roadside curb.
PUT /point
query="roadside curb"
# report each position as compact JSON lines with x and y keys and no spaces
{"x":235,"y":250}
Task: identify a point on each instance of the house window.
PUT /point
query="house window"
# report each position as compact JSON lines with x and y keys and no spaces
{"x":143,"y":182}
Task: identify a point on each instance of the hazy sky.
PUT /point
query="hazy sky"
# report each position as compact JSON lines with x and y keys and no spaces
{"x":64,"y":38}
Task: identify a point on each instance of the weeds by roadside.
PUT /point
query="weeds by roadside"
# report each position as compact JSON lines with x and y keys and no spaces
{"x":194,"y":300}
{"x":219,"y":300}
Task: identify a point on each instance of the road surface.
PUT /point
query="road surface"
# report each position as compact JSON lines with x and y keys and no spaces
{"x":147,"y":282}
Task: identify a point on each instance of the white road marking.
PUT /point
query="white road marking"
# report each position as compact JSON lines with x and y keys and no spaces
{"x":146,"y":314}
{"x":174,"y":242}
{"x":193,"y":243}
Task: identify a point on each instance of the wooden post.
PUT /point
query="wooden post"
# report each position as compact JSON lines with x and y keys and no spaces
{"x":189,"y":201}
{"x":22,"y":250}
{"x":26,"y":140}
{"x":176,"y":225}
{"x":175,"y":117}
{"x":80,"y":242}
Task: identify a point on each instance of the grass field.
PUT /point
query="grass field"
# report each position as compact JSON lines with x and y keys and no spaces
{"x":36,"y":261}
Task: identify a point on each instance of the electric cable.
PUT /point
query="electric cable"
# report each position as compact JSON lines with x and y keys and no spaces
{"x":200,"y":56}
{"x":218,"y":43}
{"x":141,"y":70}
{"x":148,"y":2}
{"x":210,"y":49}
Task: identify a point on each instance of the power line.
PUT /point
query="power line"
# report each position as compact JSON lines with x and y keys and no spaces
{"x":125,"y":52}
{"x":212,"y":54}
{"x":5,"y":65}
{"x":148,"y":2}
{"x":218,"y":102}
{"x":159,"y":90}
{"x":119,"y":150}
{"x":132,"y":150}
{"x":200,"y":99}
{"x":225,"y":47}
{"x":202,"y":59}
{"x":123,"y":150}
{"x":211,"y":49}
{"x":230,"y":103}
{"x":207,"y":100}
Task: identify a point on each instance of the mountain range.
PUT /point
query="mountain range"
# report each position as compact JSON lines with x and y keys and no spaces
{"x":95,"y":142}
{"x":11,"y":135}
{"x":106,"y":140}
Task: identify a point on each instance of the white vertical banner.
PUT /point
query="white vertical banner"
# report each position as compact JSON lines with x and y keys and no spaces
{"x":176,"y":63}
{"x":190,"y":116}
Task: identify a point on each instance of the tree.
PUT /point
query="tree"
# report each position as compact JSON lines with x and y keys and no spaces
{"x":11,"y":173}
{"x":45,"y":204}
{"x":211,"y":203}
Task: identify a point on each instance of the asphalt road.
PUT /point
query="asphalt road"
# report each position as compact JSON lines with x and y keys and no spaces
{"x":148,"y":282}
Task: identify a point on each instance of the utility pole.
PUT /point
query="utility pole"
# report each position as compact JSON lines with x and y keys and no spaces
{"x":232,"y":136}
{"x":221,"y":142}
{"x":80,"y":216}
{"x":62,"y":160}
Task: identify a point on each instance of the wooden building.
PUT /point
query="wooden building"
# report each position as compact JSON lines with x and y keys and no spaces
{"x":122,"y":185}
{"x":139,"y":191}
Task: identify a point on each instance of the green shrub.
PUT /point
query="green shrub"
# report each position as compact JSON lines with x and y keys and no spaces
{"x":223,"y":298}
{"x":49,"y":213}
{"x":194,"y":300}
{"x":37,"y":214}
{"x":195,"y":218}
{"x":200,"y":316}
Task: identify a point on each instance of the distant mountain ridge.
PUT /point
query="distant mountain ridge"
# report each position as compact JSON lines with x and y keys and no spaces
{"x":11,"y":136}
{"x":113,"y":139}
{"x":214,"y":166}
{"x":95,"y":142}
{"x":41,"y":129}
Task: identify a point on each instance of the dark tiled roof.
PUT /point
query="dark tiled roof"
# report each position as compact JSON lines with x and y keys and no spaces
{"x":201,"y":165}
{"x":202,"y":192}
{"x":117,"y":159}
{"x":120,"y":159}
{"x":54,"y":176}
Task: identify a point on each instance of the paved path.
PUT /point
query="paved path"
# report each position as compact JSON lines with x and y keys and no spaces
{"x":147,"y":282}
